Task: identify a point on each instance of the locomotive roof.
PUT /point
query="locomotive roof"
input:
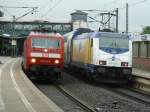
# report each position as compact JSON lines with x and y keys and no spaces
{"x":44,"y":34}
{"x":78,"y":31}
{"x":98,"y":34}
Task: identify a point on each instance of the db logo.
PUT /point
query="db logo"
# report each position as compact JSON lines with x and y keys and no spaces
{"x":113,"y":58}
{"x":44,"y":55}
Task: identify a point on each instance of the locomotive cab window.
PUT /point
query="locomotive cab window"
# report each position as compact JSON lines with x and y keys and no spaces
{"x":45,"y":43}
{"x":114,"y":44}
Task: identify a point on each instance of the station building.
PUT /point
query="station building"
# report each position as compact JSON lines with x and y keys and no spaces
{"x":141,"y":51}
{"x":13,"y":33}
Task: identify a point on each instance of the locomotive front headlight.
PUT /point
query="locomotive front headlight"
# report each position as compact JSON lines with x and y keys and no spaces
{"x":101,"y":62}
{"x":125,"y":64}
{"x":45,"y":50}
{"x":56,"y":61}
{"x":33,"y":60}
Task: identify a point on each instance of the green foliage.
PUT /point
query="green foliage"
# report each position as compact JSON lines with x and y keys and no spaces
{"x":1,"y":14}
{"x":146,"y":30}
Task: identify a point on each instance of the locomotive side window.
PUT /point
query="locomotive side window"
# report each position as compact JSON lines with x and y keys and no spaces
{"x":45,"y":43}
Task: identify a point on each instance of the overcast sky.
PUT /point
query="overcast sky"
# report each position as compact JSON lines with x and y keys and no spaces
{"x":139,"y":15}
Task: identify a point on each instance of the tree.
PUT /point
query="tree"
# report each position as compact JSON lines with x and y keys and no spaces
{"x":1,"y":14}
{"x":146,"y":30}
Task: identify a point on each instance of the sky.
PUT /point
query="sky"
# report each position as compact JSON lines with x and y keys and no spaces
{"x":61,"y":9}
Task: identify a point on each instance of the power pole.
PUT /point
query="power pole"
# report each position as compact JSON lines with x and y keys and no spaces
{"x":13,"y":42}
{"x":116,"y":19}
{"x":106,"y":18}
{"x":127,"y":18}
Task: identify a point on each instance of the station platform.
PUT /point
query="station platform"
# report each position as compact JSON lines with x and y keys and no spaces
{"x":18,"y":93}
{"x":141,"y":79}
{"x":141,"y":73}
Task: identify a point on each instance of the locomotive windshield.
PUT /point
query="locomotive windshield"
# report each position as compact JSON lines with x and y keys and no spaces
{"x":45,"y":43}
{"x":114,"y":44}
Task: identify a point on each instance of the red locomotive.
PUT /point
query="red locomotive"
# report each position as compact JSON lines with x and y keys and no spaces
{"x":43,"y":55}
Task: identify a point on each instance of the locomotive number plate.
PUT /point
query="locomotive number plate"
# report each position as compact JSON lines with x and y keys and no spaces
{"x":45,"y":55}
{"x":113,"y":63}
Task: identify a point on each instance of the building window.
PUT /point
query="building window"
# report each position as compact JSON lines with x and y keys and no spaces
{"x":148,"y":49}
{"x":135,"y":49}
{"x":143,"y":49}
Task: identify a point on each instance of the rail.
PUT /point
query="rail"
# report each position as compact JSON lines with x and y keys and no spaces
{"x":141,"y":82}
{"x":75,"y":99}
{"x":136,"y":95}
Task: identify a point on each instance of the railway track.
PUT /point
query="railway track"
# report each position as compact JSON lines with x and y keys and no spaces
{"x":146,"y":94}
{"x":124,"y":95}
{"x":133,"y":94}
{"x":75,"y":103}
{"x":143,"y":96}
{"x":80,"y":103}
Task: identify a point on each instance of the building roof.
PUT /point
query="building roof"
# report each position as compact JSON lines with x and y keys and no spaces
{"x":79,"y":12}
{"x":29,"y":19}
{"x":145,"y":37}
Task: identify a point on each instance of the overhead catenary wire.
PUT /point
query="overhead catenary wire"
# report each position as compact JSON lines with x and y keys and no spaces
{"x":112,"y":2}
{"x":51,"y":8}
{"x":95,"y":19}
{"x":6,"y":11}
{"x":33,"y":9}
{"x":133,"y":4}
{"x":23,"y":7}
{"x":45,"y":5}
{"x":98,"y":10}
{"x":3,"y":6}
{"x":139,"y":2}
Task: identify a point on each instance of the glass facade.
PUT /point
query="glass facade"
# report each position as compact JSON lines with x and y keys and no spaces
{"x":24,"y":28}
